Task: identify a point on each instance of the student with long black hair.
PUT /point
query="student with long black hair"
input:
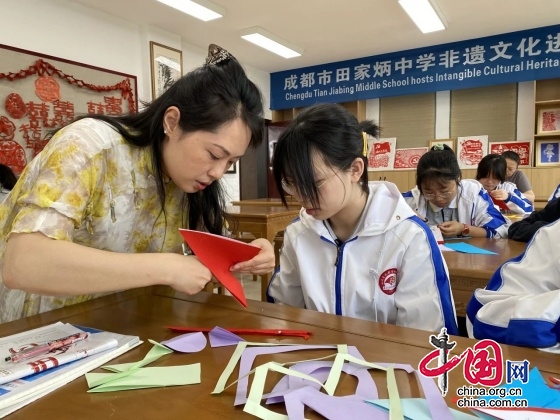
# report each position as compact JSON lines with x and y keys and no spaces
{"x":357,"y":249}
{"x":98,"y":210}
{"x":7,"y":181}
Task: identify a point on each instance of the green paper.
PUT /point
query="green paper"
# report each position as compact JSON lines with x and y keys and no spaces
{"x":151,"y":377}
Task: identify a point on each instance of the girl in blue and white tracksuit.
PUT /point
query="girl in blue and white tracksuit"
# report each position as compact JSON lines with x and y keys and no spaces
{"x":521,"y":303}
{"x":491,"y":173}
{"x":458,"y":207}
{"x":357,"y":249}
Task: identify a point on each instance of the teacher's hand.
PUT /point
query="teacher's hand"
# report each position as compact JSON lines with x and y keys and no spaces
{"x":262,"y":263}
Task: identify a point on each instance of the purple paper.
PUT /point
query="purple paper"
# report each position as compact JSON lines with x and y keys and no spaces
{"x":347,"y":407}
{"x":249,"y":355}
{"x":366,"y":388}
{"x":187,"y":343}
{"x":221,"y":338}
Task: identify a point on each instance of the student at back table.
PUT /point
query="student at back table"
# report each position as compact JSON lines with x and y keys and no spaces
{"x":458,"y":207}
{"x":514,"y":175}
{"x":491,"y":173}
{"x":357,"y":249}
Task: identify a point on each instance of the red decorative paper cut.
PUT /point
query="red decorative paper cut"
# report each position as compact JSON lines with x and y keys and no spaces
{"x":15,"y":106}
{"x":219,"y":253}
{"x":471,"y":152}
{"x":47,"y":89}
{"x":12,"y":155}
{"x":408,"y":158}
{"x":522,"y":148}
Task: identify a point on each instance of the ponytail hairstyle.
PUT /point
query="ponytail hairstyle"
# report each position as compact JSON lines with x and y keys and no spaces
{"x":333,"y":133}
{"x":208,"y":97}
{"x":439,"y":165}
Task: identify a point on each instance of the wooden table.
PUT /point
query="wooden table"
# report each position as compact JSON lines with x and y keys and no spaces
{"x":267,"y":202}
{"x":145,"y":312}
{"x":262,"y":222}
{"x":469,"y":272}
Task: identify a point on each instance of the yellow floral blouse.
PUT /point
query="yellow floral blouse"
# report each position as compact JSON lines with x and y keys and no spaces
{"x":90,"y":187}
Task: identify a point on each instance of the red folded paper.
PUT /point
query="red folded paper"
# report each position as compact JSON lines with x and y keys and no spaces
{"x":500,"y":203}
{"x":219,"y":253}
{"x":249,"y":331}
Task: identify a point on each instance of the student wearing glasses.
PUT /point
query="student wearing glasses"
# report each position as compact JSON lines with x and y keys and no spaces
{"x":357,"y":249}
{"x":515,"y":176}
{"x":491,"y":173}
{"x":458,"y":207}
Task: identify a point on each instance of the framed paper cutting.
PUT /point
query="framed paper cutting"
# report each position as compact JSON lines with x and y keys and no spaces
{"x":523,"y":148}
{"x":232,"y":169}
{"x":167,"y":67}
{"x":470,"y":151}
{"x":548,"y":121}
{"x":408,"y":158}
{"x":381,"y":154}
{"x":546,"y":153}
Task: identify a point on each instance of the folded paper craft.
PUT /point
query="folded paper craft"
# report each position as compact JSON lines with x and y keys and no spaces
{"x":219,"y":253}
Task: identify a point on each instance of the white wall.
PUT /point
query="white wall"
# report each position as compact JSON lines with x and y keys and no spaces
{"x":74,"y":32}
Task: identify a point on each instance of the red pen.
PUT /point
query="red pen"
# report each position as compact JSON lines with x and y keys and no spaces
{"x":290,"y":333}
{"x":46,"y":348}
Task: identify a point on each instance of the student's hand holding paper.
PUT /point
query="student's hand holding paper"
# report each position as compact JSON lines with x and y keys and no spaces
{"x":262,"y":263}
{"x":499,"y":194}
{"x":451,"y":228}
{"x":188,"y":275}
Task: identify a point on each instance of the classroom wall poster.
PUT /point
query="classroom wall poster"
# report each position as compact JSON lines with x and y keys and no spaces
{"x":381,"y":155}
{"x":470,"y":150}
{"x":523,"y":148}
{"x":408,"y":158}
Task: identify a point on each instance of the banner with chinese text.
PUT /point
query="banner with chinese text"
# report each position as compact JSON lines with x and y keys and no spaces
{"x":508,"y":58}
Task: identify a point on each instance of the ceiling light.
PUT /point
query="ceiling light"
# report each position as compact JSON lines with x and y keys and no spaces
{"x":271,"y":42}
{"x":201,"y":9}
{"x":425,"y":14}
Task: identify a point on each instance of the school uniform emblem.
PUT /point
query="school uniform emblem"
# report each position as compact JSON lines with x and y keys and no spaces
{"x":388,"y":281}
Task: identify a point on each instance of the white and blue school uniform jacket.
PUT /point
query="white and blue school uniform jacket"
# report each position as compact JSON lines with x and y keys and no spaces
{"x":516,"y":201}
{"x":555,"y":193}
{"x":390,"y":270}
{"x":474,"y":207}
{"x":521,"y":303}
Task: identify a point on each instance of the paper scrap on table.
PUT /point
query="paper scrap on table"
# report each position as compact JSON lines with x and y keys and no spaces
{"x":187,"y":343}
{"x":128,"y":376}
{"x":220,"y":337}
{"x":151,"y":377}
{"x":417,"y":409}
{"x":219,"y":253}
{"x":443,"y":248}
{"x":468,"y":248}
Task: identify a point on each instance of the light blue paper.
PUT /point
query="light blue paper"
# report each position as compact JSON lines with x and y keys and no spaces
{"x":417,"y":409}
{"x":535,"y":391}
{"x":468,"y":248}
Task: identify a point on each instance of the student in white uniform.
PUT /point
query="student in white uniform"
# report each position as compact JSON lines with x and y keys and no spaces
{"x":357,"y":249}
{"x":521,"y":303}
{"x":458,"y":207}
{"x":491,"y":173}
{"x":555,"y":194}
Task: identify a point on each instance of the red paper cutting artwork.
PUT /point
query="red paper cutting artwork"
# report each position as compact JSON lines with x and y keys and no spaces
{"x":471,"y":153}
{"x":522,"y":148}
{"x":15,"y":106}
{"x":47,"y":89}
{"x":408,"y":158}
{"x":46,"y":97}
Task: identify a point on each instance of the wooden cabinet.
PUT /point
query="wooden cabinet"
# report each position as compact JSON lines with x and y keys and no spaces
{"x":404,"y":180}
{"x":547,"y":96}
{"x":544,"y":181}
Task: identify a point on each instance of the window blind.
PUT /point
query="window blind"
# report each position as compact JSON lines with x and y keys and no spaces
{"x":411,"y":119}
{"x":489,"y":110}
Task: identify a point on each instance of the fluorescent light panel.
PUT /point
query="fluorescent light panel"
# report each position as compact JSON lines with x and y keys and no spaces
{"x":201,"y":9}
{"x":270,"y":42}
{"x":425,"y":14}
